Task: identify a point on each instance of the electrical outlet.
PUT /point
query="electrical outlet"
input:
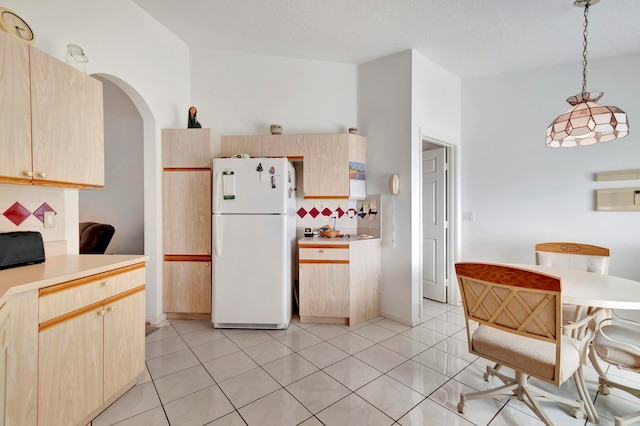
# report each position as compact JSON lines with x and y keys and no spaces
{"x":468,"y":216}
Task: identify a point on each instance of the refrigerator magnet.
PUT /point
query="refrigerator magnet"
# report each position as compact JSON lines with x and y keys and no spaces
{"x":228,"y":185}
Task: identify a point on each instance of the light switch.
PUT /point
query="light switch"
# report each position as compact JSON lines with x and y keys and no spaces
{"x":49,"y":219}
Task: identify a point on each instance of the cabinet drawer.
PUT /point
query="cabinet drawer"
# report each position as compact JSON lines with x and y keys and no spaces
{"x":322,"y":254}
{"x":66,"y":297}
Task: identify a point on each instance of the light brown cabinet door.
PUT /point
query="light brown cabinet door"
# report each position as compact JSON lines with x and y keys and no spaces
{"x":187,"y":212}
{"x":232,"y":145}
{"x":357,"y":149}
{"x":124,"y":342}
{"x":289,"y":146}
{"x":189,"y":147}
{"x":70,"y":370}
{"x":187,"y":287}
{"x":326,"y":166}
{"x":324,"y":290}
{"x":67,"y":124}
{"x":15,"y":110}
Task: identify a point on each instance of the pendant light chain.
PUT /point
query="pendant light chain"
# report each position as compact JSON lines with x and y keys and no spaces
{"x":584,"y":52}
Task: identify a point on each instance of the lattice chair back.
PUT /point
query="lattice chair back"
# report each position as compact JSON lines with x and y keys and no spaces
{"x":524,"y":303}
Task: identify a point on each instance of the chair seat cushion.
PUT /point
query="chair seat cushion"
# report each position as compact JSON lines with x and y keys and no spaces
{"x":527,"y":354}
{"x":614,"y":353}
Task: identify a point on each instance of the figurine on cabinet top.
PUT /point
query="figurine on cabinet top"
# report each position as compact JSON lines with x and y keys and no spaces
{"x":193,"y":120}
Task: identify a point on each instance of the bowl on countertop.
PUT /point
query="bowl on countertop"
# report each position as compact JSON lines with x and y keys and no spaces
{"x":330,"y":234}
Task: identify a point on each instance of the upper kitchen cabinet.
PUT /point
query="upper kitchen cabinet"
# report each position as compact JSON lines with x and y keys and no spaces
{"x":51,"y":119}
{"x":189,"y":148}
{"x":326,"y":170}
{"x":15,"y":110}
{"x":233,"y":145}
{"x":290,"y":146}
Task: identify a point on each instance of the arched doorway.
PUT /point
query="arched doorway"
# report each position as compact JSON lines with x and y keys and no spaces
{"x":121,"y":203}
{"x":151,"y":199}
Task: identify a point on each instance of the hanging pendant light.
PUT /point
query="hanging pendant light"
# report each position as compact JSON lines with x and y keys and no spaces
{"x":587,"y":122}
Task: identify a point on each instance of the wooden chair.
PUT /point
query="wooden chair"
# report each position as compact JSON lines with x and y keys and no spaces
{"x":584,"y":257}
{"x":617,"y":342}
{"x":518,"y":313}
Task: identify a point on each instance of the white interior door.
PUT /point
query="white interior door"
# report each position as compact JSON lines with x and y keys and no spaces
{"x":435,"y":223}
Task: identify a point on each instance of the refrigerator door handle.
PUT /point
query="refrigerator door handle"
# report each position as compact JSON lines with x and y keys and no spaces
{"x":216,"y":235}
{"x":217,"y":183}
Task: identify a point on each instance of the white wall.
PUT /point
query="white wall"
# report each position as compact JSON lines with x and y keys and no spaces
{"x":384,"y":116}
{"x":237,"y":93}
{"x":402,"y":98}
{"x":521,"y":191}
{"x":121,"y":202}
{"x":148,"y":62}
{"x":436,"y":114}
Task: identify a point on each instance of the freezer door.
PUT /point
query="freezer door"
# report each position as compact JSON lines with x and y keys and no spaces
{"x":251,"y":185}
{"x":251,"y":272}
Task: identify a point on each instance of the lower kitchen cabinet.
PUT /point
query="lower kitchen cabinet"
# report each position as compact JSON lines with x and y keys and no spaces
{"x":187,"y":286}
{"x":91,"y":350}
{"x":70,"y":369}
{"x":124,"y":344}
{"x":5,"y":337}
{"x":339,"y":281}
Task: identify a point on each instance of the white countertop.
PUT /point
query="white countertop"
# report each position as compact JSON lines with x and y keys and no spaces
{"x":57,"y":269}
{"x":336,"y":241}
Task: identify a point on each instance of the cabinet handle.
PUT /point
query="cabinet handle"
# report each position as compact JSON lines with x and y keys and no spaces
{"x":28,"y":174}
{"x":106,"y":283}
{"x":111,"y":308}
{"x":320,"y":251}
{"x":206,"y":164}
{"x":101,"y":312}
{"x":42,"y":175}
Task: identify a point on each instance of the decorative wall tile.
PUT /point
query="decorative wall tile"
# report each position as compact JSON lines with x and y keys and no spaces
{"x":39,"y":213}
{"x":350,"y":216}
{"x":17,"y":213}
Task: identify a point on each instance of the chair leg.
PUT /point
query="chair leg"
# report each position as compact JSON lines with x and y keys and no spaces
{"x":583,"y":391}
{"x":533,"y":405}
{"x":602,"y":387}
{"x":628,"y":419}
{"x":519,"y":388}
{"x":490,"y":372}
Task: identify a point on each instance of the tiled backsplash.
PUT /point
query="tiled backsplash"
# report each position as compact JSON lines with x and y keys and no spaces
{"x":22,"y":208}
{"x":351,"y":216}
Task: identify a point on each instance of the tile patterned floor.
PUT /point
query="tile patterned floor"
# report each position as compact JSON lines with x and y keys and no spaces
{"x":376,"y":373}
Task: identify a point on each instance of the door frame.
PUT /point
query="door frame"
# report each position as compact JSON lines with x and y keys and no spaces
{"x":453,"y":205}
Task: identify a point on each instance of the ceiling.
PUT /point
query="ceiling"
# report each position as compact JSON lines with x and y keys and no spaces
{"x":467,"y":37}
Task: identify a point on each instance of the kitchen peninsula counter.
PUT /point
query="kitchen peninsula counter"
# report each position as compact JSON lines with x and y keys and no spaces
{"x":57,"y":269}
{"x":76,"y":337}
{"x":339,"y":279}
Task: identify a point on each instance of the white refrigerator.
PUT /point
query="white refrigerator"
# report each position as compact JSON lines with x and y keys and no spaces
{"x":254,"y":233}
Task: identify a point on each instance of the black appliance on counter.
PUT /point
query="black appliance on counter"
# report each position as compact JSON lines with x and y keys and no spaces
{"x":20,"y":248}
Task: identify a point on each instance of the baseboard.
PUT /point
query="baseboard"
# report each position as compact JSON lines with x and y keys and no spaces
{"x":401,"y":320}
{"x":156,"y":320}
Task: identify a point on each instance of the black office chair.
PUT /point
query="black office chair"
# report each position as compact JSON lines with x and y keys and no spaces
{"x":95,"y":237}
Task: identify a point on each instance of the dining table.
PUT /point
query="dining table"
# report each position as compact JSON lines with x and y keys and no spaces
{"x":591,"y":289}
